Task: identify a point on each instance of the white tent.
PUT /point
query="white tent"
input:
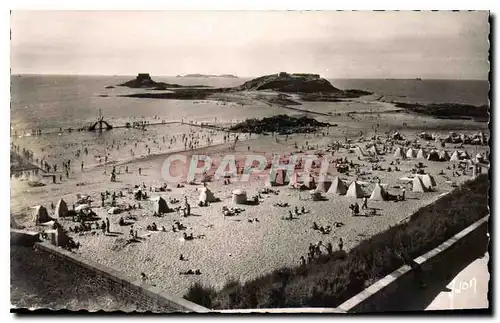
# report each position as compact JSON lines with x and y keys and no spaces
{"x":428,"y":181}
{"x":321,"y":187}
{"x":454,"y":156}
{"x":61,"y":209}
{"x":359,"y":152}
{"x":206,"y":195}
{"x":338,"y":187}
{"x":373,"y":150}
{"x":293,"y":180}
{"x":418,"y":185}
{"x":355,"y":190}
{"x":41,"y":215}
{"x":421,"y":154}
{"x":433,"y":155}
{"x":410,"y":153}
{"x":399,"y":153}
{"x":443,"y":155}
{"x":378,"y":193}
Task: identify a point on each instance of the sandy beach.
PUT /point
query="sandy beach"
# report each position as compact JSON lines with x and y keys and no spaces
{"x":233,"y":247}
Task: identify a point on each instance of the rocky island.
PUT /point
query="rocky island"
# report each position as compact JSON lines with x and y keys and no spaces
{"x":282,"y":124}
{"x":144,"y":81}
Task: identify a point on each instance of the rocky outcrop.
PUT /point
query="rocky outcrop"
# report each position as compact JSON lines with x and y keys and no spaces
{"x":280,"y":124}
{"x":291,"y":83}
{"x":144,"y":81}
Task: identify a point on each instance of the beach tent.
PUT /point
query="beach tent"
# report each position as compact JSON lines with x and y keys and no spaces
{"x":433,"y":155}
{"x":443,"y":155}
{"x":418,"y":185}
{"x":321,"y":187}
{"x":420,"y":154}
{"x":277,"y":177}
{"x":378,"y":193}
{"x":373,"y":150}
{"x":399,"y":153}
{"x":61,"y":209}
{"x":464,"y":155}
{"x":293,"y":180}
{"x":40,"y":215}
{"x":454,"y":156}
{"x":359,"y":152}
{"x":338,"y":187}
{"x":410,"y":153}
{"x":161,"y":206}
{"x":239,"y":197}
{"x":309,"y":182}
{"x":57,"y":236}
{"x":13,"y":223}
{"x":206,"y":195}
{"x":355,"y":190}
{"x":428,"y":181}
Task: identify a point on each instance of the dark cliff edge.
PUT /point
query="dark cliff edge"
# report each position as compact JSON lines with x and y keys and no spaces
{"x":448,"y":110}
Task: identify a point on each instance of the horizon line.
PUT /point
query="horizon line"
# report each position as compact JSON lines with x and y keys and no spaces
{"x":244,"y":77}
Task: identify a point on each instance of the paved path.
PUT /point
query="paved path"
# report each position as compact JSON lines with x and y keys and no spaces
{"x":469,"y":289}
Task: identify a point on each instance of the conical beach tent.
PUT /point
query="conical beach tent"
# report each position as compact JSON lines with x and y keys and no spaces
{"x":355,"y":190}
{"x":41,"y":215}
{"x":293,"y":180}
{"x":399,"y":153}
{"x":61,"y":209}
{"x":359,"y":152}
{"x":309,"y":182}
{"x":410,"y":153}
{"x":464,"y":155}
{"x":421,"y":154}
{"x":338,"y":187}
{"x":443,"y":155}
{"x":433,"y":155}
{"x":161,"y":206}
{"x":321,"y":187}
{"x":277,"y":177}
{"x":378,"y":193}
{"x":373,"y":150}
{"x":428,"y":181}
{"x":418,"y":186}
{"x":206,"y":195}
{"x":454,"y":156}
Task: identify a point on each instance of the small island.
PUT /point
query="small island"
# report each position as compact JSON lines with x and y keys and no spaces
{"x":144,"y":81}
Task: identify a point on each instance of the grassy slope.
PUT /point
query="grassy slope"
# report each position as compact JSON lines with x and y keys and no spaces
{"x":333,"y":279}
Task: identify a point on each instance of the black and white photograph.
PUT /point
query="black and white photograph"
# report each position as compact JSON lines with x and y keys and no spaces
{"x":332,"y":162}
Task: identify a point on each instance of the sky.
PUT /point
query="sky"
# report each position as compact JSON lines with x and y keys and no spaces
{"x":334,"y":44}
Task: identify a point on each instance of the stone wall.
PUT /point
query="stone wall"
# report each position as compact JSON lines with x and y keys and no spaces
{"x":136,"y":292}
{"x":388,"y":293}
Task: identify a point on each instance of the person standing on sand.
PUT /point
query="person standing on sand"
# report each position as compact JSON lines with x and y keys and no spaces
{"x":140,"y":171}
{"x":403,"y":194}
{"x":107,"y":225}
{"x":82,"y":166}
{"x":341,"y":244}
{"x":365,"y":203}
